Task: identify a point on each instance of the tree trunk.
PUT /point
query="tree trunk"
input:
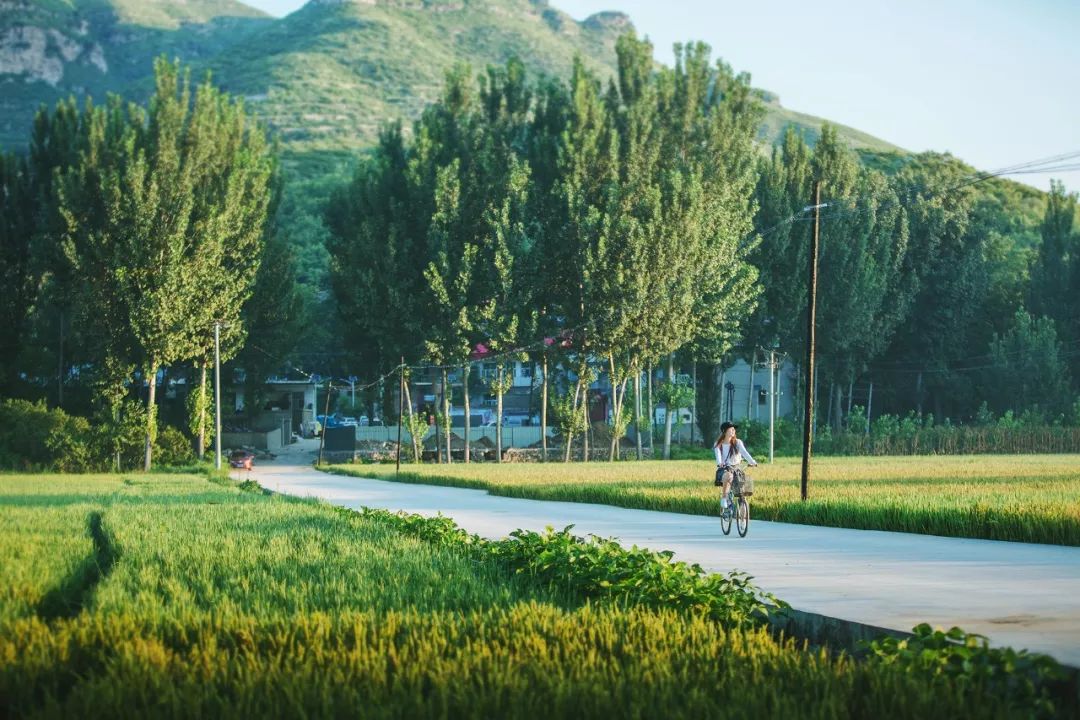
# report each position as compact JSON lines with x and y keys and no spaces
{"x":386,"y":391}
{"x":838,"y":419}
{"x":829,"y":414}
{"x":750,"y":390}
{"x":667,"y":413}
{"x":800,"y":394}
{"x":850,"y":394}
{"x":412,"y":436}
{"x":500,"y":373}
{"x":588,"y":424}
{"x":573,"y":411}
{"x":151,"y":417}
{"x":869,"y":406}
{"x":637,"y":413}
{"x":201,"y":439}
{"x":652,"y":411}
{"x":816,"y":395}
{"x":543,"y":411}
{"x":614,"y":408}
{"x":446,"y":416}
{"x":468,"y":410}
{"x":918,"y":394}
{"x":693,"y":405}
{"x":720,"y":405}
{"x":60,"y":369}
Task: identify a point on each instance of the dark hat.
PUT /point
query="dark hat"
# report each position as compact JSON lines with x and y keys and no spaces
{"x":724,"y":426}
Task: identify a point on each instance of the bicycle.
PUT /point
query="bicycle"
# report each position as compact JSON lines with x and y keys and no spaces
{"x":738,"y":507}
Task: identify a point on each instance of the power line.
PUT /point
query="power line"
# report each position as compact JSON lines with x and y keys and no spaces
{"x":1030,"y":167}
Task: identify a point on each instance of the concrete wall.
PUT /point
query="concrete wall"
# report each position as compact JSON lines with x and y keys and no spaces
{"x":269,"y":440}
{"x":518,"y":437}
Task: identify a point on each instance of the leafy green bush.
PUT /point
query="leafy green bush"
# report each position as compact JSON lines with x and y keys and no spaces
{"x":786,"y":437}
{"x":1022,"y":681}
{"x":33,"y":436}
{"x":172,"y":447}
{"x":36,"y":437}
{"x":73,"y":446}
{"x":690,"y":452}
{"x":122,"y":436}
{"x":601,"y":569}
{"x":1029,"y":432}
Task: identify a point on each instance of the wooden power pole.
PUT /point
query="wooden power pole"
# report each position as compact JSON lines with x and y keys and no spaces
{"x":811,"y":312}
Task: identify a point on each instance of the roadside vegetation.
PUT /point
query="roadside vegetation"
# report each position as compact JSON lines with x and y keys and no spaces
{"x":173,"y":596}
{"x":1025,"y":498}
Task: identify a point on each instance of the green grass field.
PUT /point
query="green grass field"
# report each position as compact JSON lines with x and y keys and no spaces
{"x":1028,"y":498}
{"x":170,"y":596}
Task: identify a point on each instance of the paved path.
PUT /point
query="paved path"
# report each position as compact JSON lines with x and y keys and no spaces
{"x":1017,"y":594}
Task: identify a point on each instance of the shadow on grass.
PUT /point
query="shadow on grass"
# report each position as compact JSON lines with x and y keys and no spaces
{"x":68,"y":599}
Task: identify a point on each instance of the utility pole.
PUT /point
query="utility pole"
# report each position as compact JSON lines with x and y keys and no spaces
{"x":400,"y":410}
{"x":811,"y":312}
{"x":772,"y":404}
{"x":217,"y":395}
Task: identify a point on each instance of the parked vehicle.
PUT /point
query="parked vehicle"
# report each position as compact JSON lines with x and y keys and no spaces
{"x":328,"y":421}
{"x":241,"y":459}
{"x":479,"y":417}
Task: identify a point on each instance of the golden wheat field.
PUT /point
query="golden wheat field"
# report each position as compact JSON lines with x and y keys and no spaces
{"x":1028,"y":498}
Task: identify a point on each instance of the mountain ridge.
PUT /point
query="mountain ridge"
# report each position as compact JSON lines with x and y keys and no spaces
{"x":324,"y":78}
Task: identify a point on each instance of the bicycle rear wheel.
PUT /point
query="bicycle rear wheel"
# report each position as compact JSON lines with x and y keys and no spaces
{"x":725,"y":516}
{"x":742,"y":516}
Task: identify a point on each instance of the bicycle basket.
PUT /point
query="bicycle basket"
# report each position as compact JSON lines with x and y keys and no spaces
{"x":742,"y":485}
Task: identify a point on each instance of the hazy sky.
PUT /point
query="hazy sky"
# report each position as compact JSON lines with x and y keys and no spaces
{"x":995,"y":82}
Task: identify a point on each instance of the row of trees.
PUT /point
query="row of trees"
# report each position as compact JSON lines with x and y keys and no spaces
{"x":638,"y":222}
{"x":581,"y":224}
{"x":615,"y":218}
{"x":128,"y":233}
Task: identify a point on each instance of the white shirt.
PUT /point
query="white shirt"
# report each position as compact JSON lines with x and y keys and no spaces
{"x":724,"y":456}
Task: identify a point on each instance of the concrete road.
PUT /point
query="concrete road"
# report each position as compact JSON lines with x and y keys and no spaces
{"x":1017,"y":594}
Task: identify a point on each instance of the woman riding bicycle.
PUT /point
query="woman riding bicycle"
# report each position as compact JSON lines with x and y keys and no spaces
{"x":729,"y":451}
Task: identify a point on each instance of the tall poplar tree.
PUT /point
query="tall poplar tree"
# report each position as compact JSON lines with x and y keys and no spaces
{"x":165,"y":202}
{"x":1055,"y":271}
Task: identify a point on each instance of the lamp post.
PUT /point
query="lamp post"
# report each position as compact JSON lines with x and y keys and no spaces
{"x":772,"y":404}
{"x":217,"y":396}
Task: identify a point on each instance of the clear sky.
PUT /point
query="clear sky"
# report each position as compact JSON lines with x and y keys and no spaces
{"x":995,"y":82}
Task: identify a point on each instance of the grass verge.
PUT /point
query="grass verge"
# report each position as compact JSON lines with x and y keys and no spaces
{"x":221,"y":602}
{"x":1025,"y":498}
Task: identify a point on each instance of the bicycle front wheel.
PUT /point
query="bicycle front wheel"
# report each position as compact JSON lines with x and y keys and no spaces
{"x":725,"y":517}
{"x":742,"y":517}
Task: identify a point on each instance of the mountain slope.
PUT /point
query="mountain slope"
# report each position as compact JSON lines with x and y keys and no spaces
{"x":329,"y":75}
{"x":324,"y":78}
{"x":50,"y":49}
